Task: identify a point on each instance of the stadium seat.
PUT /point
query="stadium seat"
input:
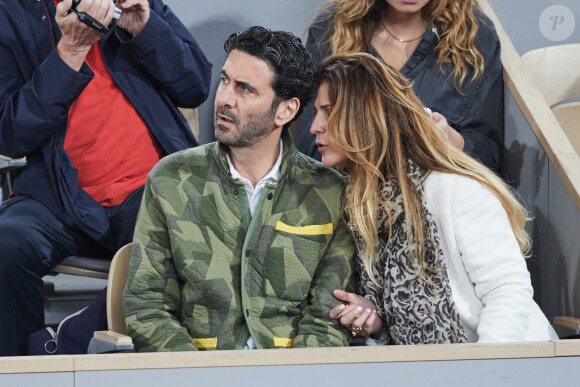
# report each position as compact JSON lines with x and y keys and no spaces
{"x":568,"y":115}
{"x":115,"y":339}
{"x":555,"y":71}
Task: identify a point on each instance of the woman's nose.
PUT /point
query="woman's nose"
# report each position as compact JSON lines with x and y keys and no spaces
{"x":318,"y":125}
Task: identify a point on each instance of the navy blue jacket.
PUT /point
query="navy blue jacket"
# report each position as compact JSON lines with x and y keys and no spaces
{"x":160,"y":68}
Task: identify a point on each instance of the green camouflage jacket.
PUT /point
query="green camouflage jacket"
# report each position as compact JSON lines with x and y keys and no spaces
{"x":204,"y":274}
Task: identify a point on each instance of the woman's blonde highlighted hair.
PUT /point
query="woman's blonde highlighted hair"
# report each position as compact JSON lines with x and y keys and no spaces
{"x":378,"y":122}
{"x":354,"y":22}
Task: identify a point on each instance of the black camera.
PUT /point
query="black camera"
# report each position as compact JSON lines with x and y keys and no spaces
{"x":90,"y":21}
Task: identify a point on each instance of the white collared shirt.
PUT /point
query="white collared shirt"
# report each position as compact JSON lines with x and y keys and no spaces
{"x":254,"y":196}
{"x":254,"y":193}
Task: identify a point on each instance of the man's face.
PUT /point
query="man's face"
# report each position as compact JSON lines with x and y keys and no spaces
{"x":244,"y":114}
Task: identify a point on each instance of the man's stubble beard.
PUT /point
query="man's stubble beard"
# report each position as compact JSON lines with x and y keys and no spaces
{"x":249,"y":132}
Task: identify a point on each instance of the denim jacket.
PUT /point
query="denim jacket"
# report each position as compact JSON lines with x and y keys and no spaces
{"x":477,"y":112}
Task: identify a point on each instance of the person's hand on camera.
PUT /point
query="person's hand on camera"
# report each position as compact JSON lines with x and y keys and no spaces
{"x":359,"y":314}
{"x":134,"y":16}
{"x":77,"y":37}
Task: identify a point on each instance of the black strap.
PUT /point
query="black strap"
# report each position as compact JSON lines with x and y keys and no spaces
{"x":90,"y":21}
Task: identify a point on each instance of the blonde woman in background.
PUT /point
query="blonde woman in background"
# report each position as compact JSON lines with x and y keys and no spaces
{"x":447,"y":49}
{"x":440,"y":238}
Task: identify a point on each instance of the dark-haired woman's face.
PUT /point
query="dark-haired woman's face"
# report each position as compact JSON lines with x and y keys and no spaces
{"x":331,"y":156}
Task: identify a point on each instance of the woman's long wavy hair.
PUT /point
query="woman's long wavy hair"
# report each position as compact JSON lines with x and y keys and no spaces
{"x":354,"y":22}
{"x":379,"y":123}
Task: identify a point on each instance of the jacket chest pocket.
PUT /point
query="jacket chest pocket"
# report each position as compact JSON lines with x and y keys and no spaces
{"x":292,"y":260}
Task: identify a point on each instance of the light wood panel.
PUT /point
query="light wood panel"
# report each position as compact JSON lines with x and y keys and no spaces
{"x":568,"y":348}
{"x":36,"y":364}
{"x":343,"y":355}
{"x":116,"y":285}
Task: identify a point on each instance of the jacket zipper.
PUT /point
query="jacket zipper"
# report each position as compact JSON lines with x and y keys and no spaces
{"x":56,"y":334}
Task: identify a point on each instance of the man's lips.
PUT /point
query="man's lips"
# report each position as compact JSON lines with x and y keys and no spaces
{"x":222,"y":119}
{"x":226,"y":117}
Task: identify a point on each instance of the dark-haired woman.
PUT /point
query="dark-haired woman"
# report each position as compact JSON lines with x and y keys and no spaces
{"x":447,"y":49}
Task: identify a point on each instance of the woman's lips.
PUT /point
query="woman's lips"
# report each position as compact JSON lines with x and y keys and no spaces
{"x":321,"y":147}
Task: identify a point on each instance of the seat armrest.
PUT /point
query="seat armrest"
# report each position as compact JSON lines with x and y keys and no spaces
{"x":7,"y":165}
{"x":108,"y":342}
{"x":567,"y":327}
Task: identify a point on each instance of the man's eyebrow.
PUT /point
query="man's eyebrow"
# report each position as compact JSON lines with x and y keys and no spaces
{"x":239,"y":83}
{"x":246,"y":85}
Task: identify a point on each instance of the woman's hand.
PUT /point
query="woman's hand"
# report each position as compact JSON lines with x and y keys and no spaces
{"x":359,"y":314}
{"x":453,"y":135}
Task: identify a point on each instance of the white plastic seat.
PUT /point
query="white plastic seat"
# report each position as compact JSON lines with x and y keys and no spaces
{"x":568,"y":115}
{"x":555,"y":71}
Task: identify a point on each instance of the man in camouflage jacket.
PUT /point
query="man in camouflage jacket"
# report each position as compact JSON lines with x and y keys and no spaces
{"x":210,"y":270}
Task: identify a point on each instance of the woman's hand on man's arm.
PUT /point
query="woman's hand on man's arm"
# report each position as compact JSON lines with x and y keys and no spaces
{"x":358,"y":314}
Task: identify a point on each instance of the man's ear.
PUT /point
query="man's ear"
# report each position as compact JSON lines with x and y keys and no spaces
{"x":286,"y":111}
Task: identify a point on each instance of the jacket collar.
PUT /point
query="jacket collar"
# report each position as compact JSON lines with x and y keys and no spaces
{"x":220,"y":151}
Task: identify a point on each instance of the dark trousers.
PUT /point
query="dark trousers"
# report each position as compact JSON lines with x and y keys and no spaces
{"x":32,"y":241}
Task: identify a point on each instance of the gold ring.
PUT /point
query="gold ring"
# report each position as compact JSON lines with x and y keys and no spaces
{"x":356,"y":331}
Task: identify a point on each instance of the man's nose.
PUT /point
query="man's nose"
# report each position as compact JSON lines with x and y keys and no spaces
{"x":225,"y":96}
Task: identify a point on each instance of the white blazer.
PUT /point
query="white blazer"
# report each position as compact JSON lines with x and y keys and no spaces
{"x":488,"y":276}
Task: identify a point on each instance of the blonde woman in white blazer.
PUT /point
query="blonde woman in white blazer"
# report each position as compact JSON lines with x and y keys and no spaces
{"x":440,"y":238}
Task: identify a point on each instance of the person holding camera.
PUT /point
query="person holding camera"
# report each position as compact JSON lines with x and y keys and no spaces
{"x":92,"y":105}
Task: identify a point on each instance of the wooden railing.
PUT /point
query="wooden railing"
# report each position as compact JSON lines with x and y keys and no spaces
{"x":307,"y":356}
{"x":536,"y":111}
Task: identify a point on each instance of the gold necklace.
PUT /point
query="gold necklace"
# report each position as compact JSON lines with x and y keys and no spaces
{"x":399,"y":39}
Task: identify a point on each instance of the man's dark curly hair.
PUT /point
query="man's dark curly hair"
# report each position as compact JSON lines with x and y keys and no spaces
{"x":288,"y":58}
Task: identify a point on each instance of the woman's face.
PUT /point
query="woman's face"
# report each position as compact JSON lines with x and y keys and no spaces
{"x":406,"y":7}
{"x":331,"y":157}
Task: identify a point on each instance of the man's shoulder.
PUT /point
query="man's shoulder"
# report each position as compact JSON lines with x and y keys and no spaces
{"x":307,"y":168}
{"x":192,"y":159}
